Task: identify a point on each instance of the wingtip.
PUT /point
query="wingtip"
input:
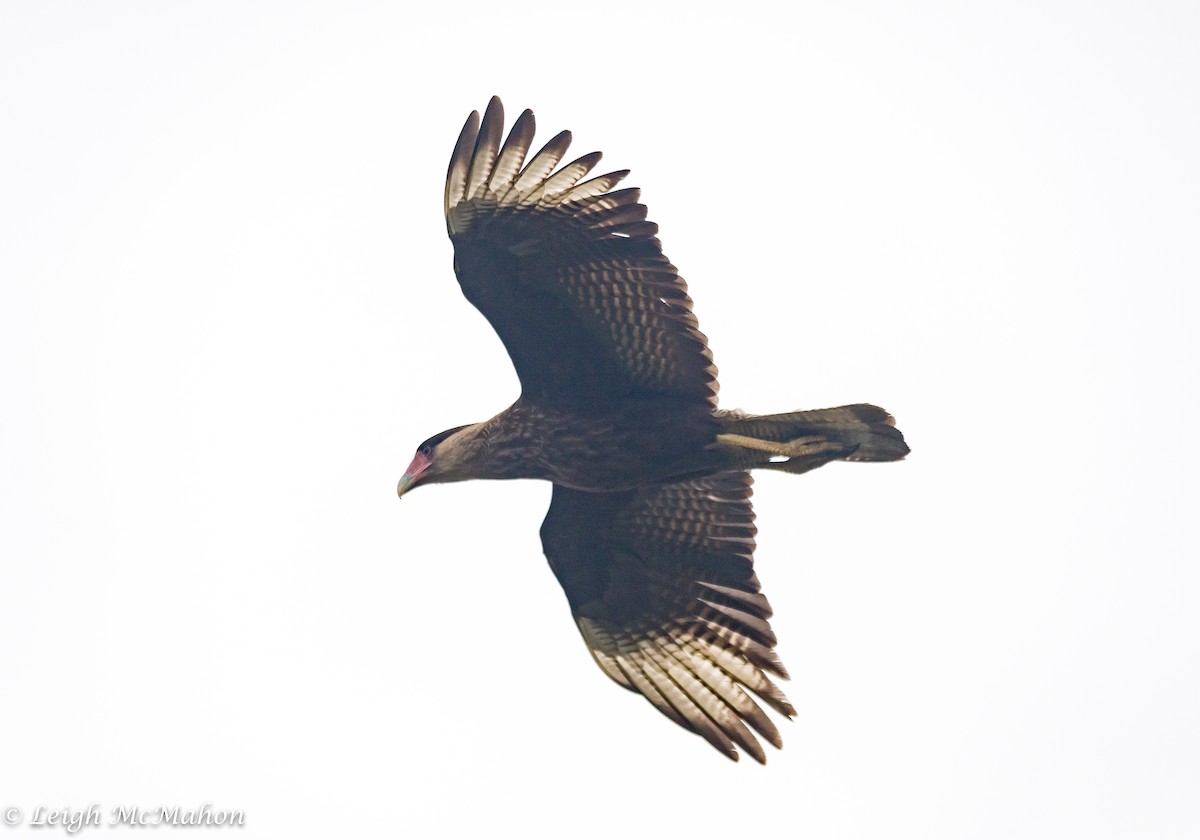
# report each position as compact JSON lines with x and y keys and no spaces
{"x":494,"y":111}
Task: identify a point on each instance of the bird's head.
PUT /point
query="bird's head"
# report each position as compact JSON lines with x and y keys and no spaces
{"x":447,"y":456}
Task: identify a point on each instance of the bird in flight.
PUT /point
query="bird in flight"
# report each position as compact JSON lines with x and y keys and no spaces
{"x":650,"y":529}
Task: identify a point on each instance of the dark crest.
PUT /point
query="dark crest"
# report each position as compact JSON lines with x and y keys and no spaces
{"x":428,"y":446}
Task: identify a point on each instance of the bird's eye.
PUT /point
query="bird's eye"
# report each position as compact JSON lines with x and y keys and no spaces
{"x":426,"y":450}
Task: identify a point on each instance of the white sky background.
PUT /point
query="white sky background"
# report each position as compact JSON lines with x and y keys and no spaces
{"x":228,"y":316}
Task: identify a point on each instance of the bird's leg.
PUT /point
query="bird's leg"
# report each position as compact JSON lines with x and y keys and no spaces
{"x":795,"y":448}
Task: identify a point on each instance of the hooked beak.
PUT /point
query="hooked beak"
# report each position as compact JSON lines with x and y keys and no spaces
{"x":420,"y":463}
{"x":406,"y":481}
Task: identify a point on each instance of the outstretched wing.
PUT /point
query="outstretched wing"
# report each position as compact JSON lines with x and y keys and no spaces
{"x":569,"y":273}
{"x":661,"y":583}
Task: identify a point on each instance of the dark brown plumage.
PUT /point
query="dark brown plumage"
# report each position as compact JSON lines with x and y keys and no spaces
{"x":650,"y":529}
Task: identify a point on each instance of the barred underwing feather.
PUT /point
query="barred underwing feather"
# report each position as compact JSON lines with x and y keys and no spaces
{"x":486,"y":145}
{"x":730,"y":617}
{"x":460,"y":163}
{"x":710,"y":689}
{"x":566,"y":177}
{"x":599,"y":641}
{"x":720,"y":716}
{"x":686,"y":707}
{"x":761,"y":655}
{"x":596,"y":186}
{"x":644,"y":229}
{"x":738,"y":663}
{"x":725,"y":684}
{"x":594,"y":207}
{"x":626,"y":214}
{"x":533,"y":176}
{"x":512,"y":155}
{"x":631,"y":666}
{"x":751,"y":601}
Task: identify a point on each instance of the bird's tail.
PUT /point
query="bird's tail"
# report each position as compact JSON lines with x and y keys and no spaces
{"x":803,"y":440}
